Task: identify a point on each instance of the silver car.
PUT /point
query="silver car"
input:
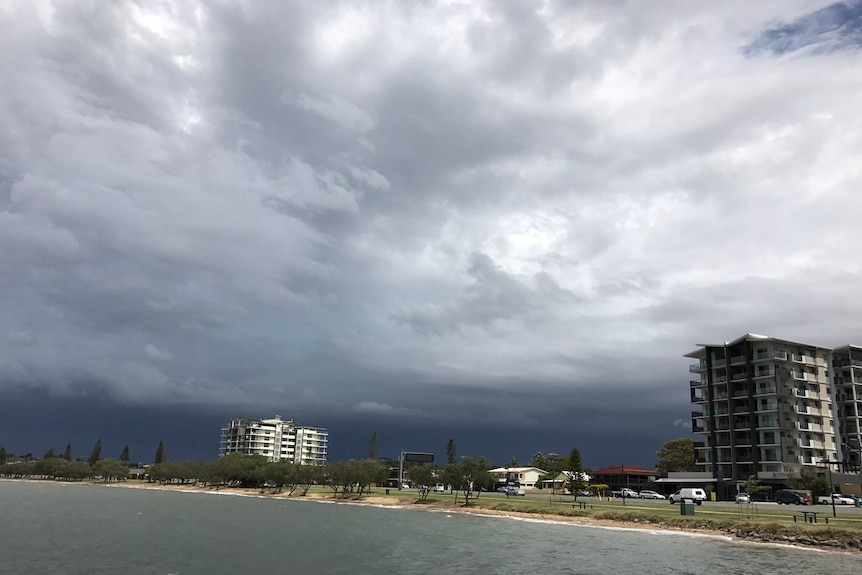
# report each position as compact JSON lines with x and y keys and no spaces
{"x":648,"y":494}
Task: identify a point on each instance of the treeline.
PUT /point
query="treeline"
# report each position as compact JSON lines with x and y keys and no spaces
{"x":58,"y":468}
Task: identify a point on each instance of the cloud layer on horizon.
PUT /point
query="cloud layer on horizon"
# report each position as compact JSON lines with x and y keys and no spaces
{"x":439,"y":211}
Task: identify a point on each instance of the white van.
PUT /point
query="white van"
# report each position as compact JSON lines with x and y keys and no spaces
{"x":695,"y":494}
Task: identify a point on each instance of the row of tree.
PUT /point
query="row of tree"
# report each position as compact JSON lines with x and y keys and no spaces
{"x":95,"y":454}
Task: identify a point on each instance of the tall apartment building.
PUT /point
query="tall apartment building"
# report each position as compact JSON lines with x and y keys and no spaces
{"x":769,"y":407}
{"x":847,"y":369}
{"x":276,"y":439}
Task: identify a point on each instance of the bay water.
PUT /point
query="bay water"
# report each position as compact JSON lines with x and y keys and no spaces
{"x":75,"y":529}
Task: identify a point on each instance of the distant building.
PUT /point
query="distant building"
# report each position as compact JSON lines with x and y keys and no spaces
{"x":528,"y":477}
{"x":276,"y":439}
{"x":618,"y":476}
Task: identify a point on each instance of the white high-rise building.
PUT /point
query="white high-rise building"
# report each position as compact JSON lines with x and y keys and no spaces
{"x":770,"y":408}
{"x":276,"y":439}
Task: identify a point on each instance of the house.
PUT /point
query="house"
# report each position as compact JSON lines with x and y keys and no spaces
{"x":618,"y":476}
{"x":561,"y":481}
{"x":528,"y":477}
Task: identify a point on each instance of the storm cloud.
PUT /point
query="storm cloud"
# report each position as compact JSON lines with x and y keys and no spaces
{"x":430,"y":216}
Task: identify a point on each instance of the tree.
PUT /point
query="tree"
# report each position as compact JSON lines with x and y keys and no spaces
{"x":124,"y":456}
{"x":96,"y":453}
{"x":111,"y":470}
{"x":160,"y":453}
{"x":49,"y":454}
{"x":372,"y":446}
{"x":676,"y":455}
{"x":67,"y":455}
{"x":514,"y":462}
{"x":576,"y":469}
{"x":451,"y":454}
{"x":4,"y":455}
{"x":424,"y":477}
{"x":468,"y":476}
{"x":753,"y":485}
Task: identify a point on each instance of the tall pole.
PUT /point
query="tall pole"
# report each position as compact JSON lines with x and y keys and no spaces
{"x":400,"y":471}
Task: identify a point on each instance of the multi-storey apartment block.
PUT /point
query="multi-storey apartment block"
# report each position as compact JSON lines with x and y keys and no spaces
{"x":847,"y":369}
{"x":276,"y":439}
{"x":768,"y":407}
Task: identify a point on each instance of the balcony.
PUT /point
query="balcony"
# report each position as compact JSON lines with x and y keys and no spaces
{"x":740,"y":393}
{"x":768,"y":372}
{"x":737,"y":359}
{"x":697,"y":367}
{"x":803,"y":409}
{"x":740,"y":376}
{"x":766,"y":355}
{"x":719,"y":379}
{"x":765,"y":390}
{"x":717,"y":363}
{"x":767,"y":406}
{"x":800,"y":392}
{"x":697,"y":429}
{"x":696,"y":383}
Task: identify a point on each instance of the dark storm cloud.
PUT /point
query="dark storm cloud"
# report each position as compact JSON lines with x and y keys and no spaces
{"x":420,"y":214}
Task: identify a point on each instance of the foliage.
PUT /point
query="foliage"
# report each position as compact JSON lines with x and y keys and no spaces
{"x":111,"y":469}
{"x":451,"y":453}
{"x":576,"y":468}
{"x":160,"y":453}
{"x":676,"y":455}
{"x":819,"y":486}
{"x":308,"y":475}
{"x":599,"y":489}
{"x":67,"y":455}
{"x":237,"y":469}
{"x":372,"y":445}
{"x":514,"y":462}
{"x":4,"y":455}
{"x":96,"y":453}
{"x":124,"y":456}
{"x":468,"y":476}
{"x":753,"y":485}
{"x":49,"y":453}
{"x":424,"y":477}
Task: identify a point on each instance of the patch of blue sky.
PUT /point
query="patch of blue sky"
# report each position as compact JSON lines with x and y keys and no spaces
{"x":836,"y":27}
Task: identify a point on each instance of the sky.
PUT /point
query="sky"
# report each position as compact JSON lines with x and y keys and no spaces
{"x":501,"y":222}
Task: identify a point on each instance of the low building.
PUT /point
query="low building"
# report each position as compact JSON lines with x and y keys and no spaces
{"x":562,"y":480}
{"x":276,"y":439}
{"x":528,"y":477}
{"x":618,"y":476}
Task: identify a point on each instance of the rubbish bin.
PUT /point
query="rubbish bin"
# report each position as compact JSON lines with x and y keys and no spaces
{"x":686,"y":507}
{"x":387,"y":491}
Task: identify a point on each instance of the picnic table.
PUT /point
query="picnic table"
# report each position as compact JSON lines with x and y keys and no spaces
{"x":809,"y":516}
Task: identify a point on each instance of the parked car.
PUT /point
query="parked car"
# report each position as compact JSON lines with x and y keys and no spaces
{"x":743,"y":498}
{"x":649,"y":494}
{"x":625,"y":492}
{"x":695,"y":494}
{"x":510,"y":491}
{"x":439,"y":488}
{"x":837,"y":498}
{"x":581,"y":493}
{"x":502,"y":489}
{"x":788,"y":497}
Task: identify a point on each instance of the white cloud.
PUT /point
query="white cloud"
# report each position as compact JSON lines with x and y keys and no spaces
{"x":156,"y":353}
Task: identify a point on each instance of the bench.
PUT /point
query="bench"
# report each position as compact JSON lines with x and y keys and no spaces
{"x":582,"y":505}
{"x":809,"y":517}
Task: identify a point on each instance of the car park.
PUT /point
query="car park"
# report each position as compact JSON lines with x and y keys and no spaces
{"x":788,"y":497}
{"x":743,"y":498}
{"x":649,"y":494}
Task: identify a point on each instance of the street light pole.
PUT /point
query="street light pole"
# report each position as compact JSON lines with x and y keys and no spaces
{"x":858,"y":452}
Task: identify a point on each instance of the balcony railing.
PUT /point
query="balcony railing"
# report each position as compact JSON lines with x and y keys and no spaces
{"x":765,"y":390}
{"x":764,"y":372}
{"x":800,"y":392}
{"x":695,"y":367}
{"x":719,"y":379}
{"x":740,"y":376}
{"x":696,"y":383}
{"x":716,"y":363}
{"x":802,"y":409}
{"x":737,"y":359}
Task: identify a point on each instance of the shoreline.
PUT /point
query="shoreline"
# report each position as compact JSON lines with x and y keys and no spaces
{"x":770,"y":534}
